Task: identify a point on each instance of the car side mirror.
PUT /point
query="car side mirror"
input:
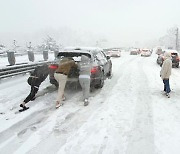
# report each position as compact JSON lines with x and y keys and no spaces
{"x":108,"y":57}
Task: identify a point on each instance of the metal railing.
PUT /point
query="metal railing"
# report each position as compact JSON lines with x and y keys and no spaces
{"x":19,"y":69}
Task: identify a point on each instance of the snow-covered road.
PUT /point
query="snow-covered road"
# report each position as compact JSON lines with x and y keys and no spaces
{"x":129,"y":115}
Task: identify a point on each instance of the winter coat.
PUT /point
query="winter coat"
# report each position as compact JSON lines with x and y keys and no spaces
{"x":85,"y":66}
{"x":38,"y":75}
{"x":166,"y":67}
{"x":65,"y":66}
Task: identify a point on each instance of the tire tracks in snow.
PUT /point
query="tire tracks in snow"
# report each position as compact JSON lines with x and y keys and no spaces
{"x":141,"y":139}
{"x":21,"y":130}
{"x":78,"y":142}
{"x":68,"y":122}
{"x":65,"y":129}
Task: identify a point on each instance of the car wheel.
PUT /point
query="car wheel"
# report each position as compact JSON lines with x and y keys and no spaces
{"x":110,"y":73}
{"x":56,"y":84}
{"x":101,"y":81}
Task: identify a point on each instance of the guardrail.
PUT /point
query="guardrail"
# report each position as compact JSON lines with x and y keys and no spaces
{"x":19,"y":69}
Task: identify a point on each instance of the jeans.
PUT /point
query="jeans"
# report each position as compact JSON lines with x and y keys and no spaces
{"x":166,"y":85}
{"x":85,"y":84}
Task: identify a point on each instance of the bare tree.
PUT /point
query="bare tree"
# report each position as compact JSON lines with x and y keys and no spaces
{"x":171,"y":39}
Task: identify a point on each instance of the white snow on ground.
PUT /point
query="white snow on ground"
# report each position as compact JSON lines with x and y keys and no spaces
{"x":129,"y":115}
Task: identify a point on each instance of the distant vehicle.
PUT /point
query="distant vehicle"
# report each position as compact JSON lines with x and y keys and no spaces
{"x":101,"y":65}
{"x":114,"y":53}
{"x":159,"y":51}
{"x":134,"y":52}
{"x":160,"y":58}
{"x":174,"y":55}
{"x":145,"y":53}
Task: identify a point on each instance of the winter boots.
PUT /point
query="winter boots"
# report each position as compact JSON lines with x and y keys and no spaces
{"x":23,"y":108}
{"x":168,"y":95}
{"x":86,"y":102}
{"x":58,"y":104}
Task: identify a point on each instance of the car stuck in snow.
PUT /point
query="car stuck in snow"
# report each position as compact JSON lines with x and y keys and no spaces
{"x":101,"y":65}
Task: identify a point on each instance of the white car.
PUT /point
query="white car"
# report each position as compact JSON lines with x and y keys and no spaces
{"x":134,"y":52}
{"x":145,"y":53}
{"x":114,"y":53}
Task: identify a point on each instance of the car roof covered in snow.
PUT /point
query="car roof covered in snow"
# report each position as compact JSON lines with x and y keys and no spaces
{"x":134,"y":50}
{"x":145,"y":49}
{"x":83,"y":48}
{"x":78,"y":51}
{"x":170,"y":50}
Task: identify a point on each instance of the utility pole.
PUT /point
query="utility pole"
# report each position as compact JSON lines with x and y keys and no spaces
{"x":177,"y":39}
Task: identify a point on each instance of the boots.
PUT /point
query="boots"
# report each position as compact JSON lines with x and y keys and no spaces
{"x":168,"y":95}
{"x":86,"y":102}
{"x":58,"y":104}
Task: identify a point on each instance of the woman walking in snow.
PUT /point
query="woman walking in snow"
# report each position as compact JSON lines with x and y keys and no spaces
{"x":165,"y":73}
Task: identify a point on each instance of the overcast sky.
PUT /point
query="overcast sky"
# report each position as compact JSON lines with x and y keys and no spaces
{"x":123,"y":22}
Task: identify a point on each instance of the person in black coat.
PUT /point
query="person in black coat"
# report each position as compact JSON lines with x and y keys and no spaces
{"x":36,"y":78}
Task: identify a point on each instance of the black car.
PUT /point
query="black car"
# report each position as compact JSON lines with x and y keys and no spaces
{"x":101,"y":65}
{"x":174,"y":57}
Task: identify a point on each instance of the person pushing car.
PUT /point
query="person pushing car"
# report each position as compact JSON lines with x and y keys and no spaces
{"x":36,"y":78}
{"x":61,"y":75}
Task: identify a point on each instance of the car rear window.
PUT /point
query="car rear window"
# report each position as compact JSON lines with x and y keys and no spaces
{"x":72,"y":54}
{"x":174,"y":54}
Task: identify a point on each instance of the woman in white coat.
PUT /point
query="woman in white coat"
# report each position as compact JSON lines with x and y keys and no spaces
{"x":165,"y":73}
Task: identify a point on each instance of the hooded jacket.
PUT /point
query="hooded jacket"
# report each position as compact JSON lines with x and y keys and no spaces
{"x":166,"y":67}
{"x":38,"y":75}
{"x":85,"y":66}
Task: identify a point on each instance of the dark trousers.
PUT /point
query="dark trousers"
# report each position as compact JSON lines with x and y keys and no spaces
{"x":166,"y":86}
{"x":32,"y":94}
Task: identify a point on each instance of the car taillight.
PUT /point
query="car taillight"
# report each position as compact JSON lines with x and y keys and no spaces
{"x":54,"y":67}
{"x":94,"y":69}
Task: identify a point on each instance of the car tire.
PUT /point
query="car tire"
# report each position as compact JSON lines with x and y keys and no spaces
{"x":109,"y":75}
{"x":56,"y":84}
{"x":101,"y":81}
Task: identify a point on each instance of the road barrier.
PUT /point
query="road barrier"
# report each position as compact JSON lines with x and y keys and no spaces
{"x":45,"y":55}
{"x":11,"y":57}
{"x":20,"y":69}
{"x":31,"y":56}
